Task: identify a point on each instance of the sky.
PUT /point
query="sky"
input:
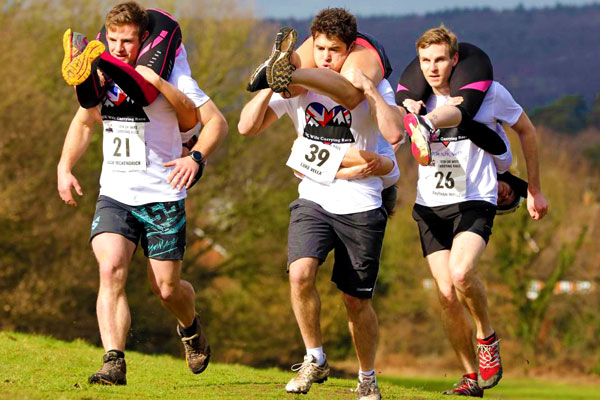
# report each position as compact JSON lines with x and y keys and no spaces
{"x":307,"y":8}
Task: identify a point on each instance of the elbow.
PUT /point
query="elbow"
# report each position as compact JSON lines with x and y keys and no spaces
{"x":246,"y":129}
{"x":351,"y":102}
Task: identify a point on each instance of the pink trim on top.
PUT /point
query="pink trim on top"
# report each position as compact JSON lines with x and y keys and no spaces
{"x":400,"y":88}
{"x":155,"y":43}
{"x":365,"y":43}
{"x":150,"y":92}
{"x":167,"y":51}
{"x":178,"y":51}
{"x":482,"y":86}
{"x":162,"y":12}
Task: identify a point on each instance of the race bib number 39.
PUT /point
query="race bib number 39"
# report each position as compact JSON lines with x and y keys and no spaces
{"x":317,"y":160}
{"x":124,"y":146}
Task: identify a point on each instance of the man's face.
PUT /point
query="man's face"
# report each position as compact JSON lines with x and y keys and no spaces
{"x":505,"y":194}
{"x":329,"y":53}
{"x":124,"y":42}
{"x":436,"y":65}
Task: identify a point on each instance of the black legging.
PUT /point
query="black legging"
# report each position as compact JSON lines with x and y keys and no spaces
{"x":157,"y":52}
{"x":470,"y":79}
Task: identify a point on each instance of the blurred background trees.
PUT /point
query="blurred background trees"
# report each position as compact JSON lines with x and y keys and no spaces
{"x":238,"y":215}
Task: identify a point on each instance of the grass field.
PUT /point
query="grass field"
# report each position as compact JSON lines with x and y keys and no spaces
{"x":35,"y":367}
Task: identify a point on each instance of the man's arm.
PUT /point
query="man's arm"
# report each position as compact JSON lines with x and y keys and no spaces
{"x":183,"y":106}
{"x":536,"y":202}
{"x":213,"y":133}
{"x":76,"y":142}
{"x":388,"y":117}
{"x":256,"y":115}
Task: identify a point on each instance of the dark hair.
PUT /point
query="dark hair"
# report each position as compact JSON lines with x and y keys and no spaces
{"x":129,"y":13}
{"x":335,"y":23}
{"x":518,"y":186}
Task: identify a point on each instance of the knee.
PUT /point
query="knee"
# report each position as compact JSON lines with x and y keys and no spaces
{"x":355,"y":305}
{"x":300,"y":279}
{"x":112,"y":274}
{"x":462,"y":277}
{"x":447,"y":295}
{"x":166,"y":291}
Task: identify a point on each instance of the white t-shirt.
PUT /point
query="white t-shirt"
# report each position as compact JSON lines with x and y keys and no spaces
{"x":321,"y":119}
{"x":125,"y":148}
{"x":462,"y":171}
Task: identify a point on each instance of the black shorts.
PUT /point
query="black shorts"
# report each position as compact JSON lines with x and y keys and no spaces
{"x":160,"y":226}
{"x":439,"y":225}
{"x":356,"y":239}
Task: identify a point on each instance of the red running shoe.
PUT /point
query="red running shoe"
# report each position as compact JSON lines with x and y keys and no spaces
{"x":466,"y":387}
{"x":490,"y":366}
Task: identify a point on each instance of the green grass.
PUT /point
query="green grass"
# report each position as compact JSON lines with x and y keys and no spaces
{"x":35,"y":367}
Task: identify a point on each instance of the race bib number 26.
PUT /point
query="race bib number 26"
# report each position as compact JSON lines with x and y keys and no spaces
{"x":124,"y":145}
{"x":317,"y":160}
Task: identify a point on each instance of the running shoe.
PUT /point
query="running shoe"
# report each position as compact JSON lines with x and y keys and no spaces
{"x":279,"y":65}
{"x":197,"y":350}
{"x":490,"y":365}
{"x":466,"y":387}
{"x":368,"y":389}
{"x":420,"y":136}
{"x":258,"y":79}
{"x":113,"y":371}
{"x":309,"y":372}
{"x":79,"y":56}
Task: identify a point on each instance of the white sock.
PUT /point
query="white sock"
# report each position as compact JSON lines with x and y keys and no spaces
{"x":317,"y":353}
{"x":366,"y":373}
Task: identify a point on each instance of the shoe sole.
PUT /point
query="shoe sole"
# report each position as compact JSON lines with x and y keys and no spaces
{"x":489,"y":383}
{"x":419,"y":145}
{"x":279,"y":67}
{"x":75,"y":71}
{"x":98,"y":380}
{"x":306,"y":392}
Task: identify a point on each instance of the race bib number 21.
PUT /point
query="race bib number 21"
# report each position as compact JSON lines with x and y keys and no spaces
{"x":124,"y":145}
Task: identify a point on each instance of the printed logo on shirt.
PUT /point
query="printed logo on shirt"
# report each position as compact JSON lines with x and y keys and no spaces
{"x":328,"y":126}
{"x":448,"y":135}
{"x":117,"y":106}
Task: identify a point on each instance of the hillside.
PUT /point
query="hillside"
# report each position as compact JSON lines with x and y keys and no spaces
{"x":36,"y":367}
{"x":539,"y":55}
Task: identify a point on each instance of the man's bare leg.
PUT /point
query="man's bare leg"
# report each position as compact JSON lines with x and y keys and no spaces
{"x":466,"y":250}
{"x":176,"y":295}
{"x":114,"y":253}
{"x":363,"y":325}
{"x":454,"y":316}
{"x":305,"y":300}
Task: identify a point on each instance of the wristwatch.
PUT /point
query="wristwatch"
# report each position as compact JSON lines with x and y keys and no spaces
{"x":197,"y":156}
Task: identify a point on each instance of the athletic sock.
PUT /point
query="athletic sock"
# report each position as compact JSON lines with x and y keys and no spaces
{"x":366,"y":373}
{"x":119,"y":353}
{"x":190,"y":330}
{"x":472,"y":376}
{"x":488,"y":340}
{"x":317,"y":353}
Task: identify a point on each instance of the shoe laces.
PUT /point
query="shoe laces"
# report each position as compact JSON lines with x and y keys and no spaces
{"x":489,"y":354}
{"x":306,"y":368}
{"x":366,"y":386}
{"x":466,"y":385}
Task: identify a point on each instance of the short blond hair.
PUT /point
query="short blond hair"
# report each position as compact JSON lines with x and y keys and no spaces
{"x":439,"y":35}
{"x":129,"y":13}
